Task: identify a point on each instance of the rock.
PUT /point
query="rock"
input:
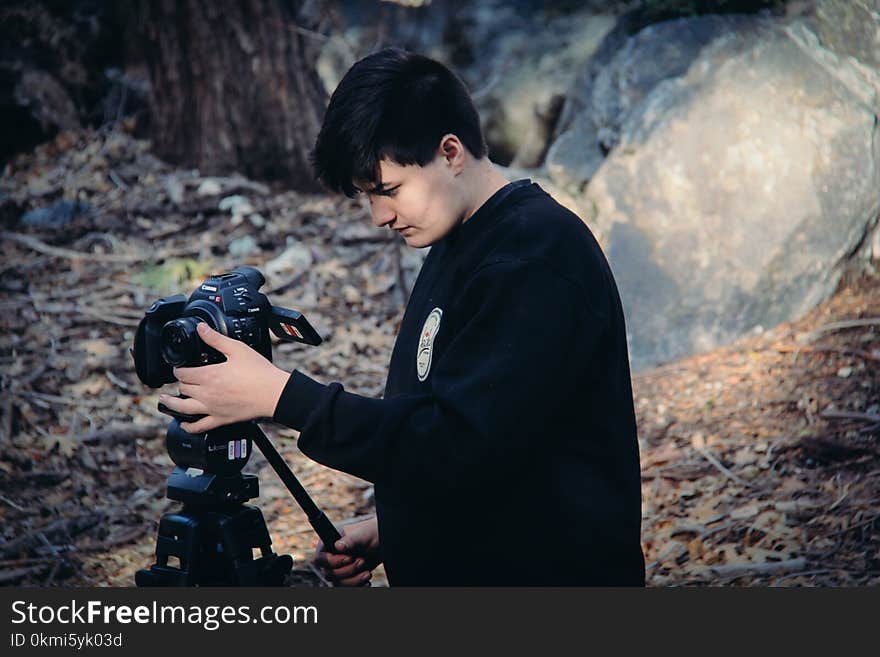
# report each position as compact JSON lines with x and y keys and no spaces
{"x":351,"y":294}
{"x":850,"y":28}
{"x":56,"y":215}
{"x":174,"y":189}
{"x":236,"y":205}
{"x":295,"y":258}
{"x":45,"y":185}
{"x":243,"y":246}
{"x":616,"y":82}
{"x":257,"y":220}
{"x":209,"y":187}
{"x":737,"y":189}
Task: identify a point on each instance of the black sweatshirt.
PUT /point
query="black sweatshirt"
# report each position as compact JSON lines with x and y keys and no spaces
{"x":504,"y":451}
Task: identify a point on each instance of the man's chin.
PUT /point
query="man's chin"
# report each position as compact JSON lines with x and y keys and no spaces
{"x":414,"y":241}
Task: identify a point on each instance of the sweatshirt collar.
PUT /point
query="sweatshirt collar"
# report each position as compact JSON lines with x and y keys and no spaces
{"x":488,"y":208}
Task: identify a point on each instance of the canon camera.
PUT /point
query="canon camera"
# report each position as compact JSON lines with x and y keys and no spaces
{"x":229,"y":303}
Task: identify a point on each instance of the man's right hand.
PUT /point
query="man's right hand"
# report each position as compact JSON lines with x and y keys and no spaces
{"x":355,"y":555}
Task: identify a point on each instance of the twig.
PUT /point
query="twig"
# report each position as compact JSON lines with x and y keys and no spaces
{"x":70,"y":526}
{"x":121,"y":433}
{"x":721,"y":467}
{"x":787,"y":349}
{"x":804,"y":573}
{"x":119,"y":382}
{"x":847,"y":324}
{"x":41,"y":247}
{"x":319,"y":574}
{"x":7,"y":563}
{"x":15,"y":575}
{"x":844,"y":415}
{"x":3,"y":498}
{"x":45,"y":541}
{"x":117,"y":179}
{"x":846,"y":530}
{"x":57,"y":399}
{"x":766,"y":568}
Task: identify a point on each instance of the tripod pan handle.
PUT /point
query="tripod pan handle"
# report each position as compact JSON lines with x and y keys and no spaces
{"x":325,"y":530}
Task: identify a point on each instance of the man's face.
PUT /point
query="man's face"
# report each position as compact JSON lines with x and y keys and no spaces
{"x":422,"y":203}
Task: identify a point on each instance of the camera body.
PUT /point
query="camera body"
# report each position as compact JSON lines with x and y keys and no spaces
{"x":231,"y":304}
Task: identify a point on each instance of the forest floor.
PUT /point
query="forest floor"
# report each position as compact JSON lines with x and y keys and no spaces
{"x":760,"y":460}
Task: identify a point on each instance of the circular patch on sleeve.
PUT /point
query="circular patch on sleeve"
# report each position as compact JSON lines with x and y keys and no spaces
{"x":426,"y":343}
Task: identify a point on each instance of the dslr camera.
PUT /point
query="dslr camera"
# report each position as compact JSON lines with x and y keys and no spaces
{"x":231,"y":304}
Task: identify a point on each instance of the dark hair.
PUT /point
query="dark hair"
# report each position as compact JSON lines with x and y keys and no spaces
{"x":392,"y":104}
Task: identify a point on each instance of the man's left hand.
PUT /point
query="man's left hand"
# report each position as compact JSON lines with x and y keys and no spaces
{"x":245,"y":387}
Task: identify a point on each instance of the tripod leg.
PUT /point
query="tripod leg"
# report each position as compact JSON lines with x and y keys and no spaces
{"x":240,"y":534}
{"x":180,"y":536}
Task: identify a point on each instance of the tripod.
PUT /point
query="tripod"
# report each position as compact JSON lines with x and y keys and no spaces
{"x":213,"y":537}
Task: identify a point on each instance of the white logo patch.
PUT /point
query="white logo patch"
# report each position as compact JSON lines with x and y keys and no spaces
{"x":426,"y":343}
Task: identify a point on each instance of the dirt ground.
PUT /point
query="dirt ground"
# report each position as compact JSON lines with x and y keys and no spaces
{"x":760,"y":460}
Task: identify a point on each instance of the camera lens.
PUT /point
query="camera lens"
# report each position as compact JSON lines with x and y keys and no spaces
{"x":181,"y":345}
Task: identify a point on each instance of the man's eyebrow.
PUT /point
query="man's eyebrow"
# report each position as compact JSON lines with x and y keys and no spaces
{"x":381,"y":187}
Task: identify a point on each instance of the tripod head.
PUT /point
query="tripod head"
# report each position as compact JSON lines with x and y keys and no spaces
{"x":209,"y":465}
{"x":214,"y":535}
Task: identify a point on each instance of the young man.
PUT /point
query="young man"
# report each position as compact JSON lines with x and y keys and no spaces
{"x":504,"y":451}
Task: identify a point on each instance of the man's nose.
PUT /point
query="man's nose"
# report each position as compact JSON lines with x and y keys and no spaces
{"x":383,"y":213}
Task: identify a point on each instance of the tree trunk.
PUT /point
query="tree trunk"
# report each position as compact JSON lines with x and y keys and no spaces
{"x":234,"y":86}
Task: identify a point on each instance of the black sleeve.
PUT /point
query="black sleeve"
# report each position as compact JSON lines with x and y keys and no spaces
{"x":524,"y":340}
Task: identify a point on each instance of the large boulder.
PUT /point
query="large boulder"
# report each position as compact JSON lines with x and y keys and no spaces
{"x":616,"y":81}
{"x":737,"y":184}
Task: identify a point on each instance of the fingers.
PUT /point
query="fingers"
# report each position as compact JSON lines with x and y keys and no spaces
{"x":362,"y":579}
{"x":343,"y":569}
{"x":189,"y":406}
{"x":203,"y":425}
{"x":330,"y":560}
{"x":193,"y":375}
{"x":220,"y":342}
{"x":188,"y":389}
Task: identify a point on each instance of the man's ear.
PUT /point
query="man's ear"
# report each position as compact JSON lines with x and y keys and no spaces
{"x":453,"y":153}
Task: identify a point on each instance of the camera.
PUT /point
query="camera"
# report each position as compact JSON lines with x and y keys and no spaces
{"x":231,"y":304}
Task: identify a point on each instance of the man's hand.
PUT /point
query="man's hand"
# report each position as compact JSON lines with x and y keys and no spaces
{"x":357,"y":553}
{"x":245,"y":387}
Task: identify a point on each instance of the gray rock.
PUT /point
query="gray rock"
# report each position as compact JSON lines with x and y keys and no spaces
{"x":617,"y":81}
{"x":56,"y":215}
{"x":296,"y":258}
{"x":243,"y":246}
{"x":850,"y":28}
{"x":737,"y":190}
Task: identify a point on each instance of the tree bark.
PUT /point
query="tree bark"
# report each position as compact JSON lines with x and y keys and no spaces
{"x":234,"y":86}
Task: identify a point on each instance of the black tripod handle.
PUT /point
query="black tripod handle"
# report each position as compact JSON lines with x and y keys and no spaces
{"x":319,"y":521}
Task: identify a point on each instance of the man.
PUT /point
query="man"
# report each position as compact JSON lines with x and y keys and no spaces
{"x":504,"y":451}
